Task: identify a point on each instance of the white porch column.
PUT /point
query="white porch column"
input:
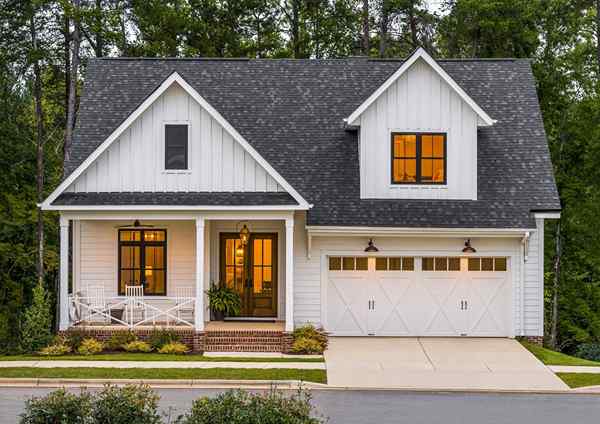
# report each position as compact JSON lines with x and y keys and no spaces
{"x":289,"y":274}
{"x":199,"y":306}
{"x":63,"y":295}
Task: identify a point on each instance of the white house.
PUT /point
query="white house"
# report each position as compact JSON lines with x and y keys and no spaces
{"x":380,"y":197}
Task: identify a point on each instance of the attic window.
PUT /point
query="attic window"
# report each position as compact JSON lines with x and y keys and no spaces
{"x":176,"y":147}
{"x":418,"y":158}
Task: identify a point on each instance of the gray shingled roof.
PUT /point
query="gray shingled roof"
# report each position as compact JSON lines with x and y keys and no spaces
{"x":292,"y":111}
{"x":176,"y":198}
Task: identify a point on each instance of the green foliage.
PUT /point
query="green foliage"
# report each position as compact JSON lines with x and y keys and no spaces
{"x":240,"y":407}
{"x":174,"y":348}
{"x":59,"y":347}
{"x":126,"y":405}
{"x":589,"y":351}
{"x":90,"y":346}
{"x":223,"y":299}
{"x":137,"y":346}
{"x":75,"y":337}
{"x":309,"y":340}
{"x":120,"y":338}
{"x":37,"y":328}
{"x":59,"y":406}
{"x":161,"y":336}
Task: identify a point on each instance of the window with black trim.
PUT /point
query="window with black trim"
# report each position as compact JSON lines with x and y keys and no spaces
{"x":143,"y":260}
{"x":418,"y":158}
{"x":176,"y":147}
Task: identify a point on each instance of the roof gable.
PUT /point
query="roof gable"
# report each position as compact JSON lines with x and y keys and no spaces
{"x":420,"y":53}
{"x":172,"y":79}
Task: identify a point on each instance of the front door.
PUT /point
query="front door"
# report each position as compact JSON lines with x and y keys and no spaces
{"x":251,"y":271}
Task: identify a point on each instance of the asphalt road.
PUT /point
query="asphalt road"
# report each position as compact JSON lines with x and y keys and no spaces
{"x":382,"y":407}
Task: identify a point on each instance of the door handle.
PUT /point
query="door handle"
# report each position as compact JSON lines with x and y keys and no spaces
{"x":373,"y":304}
{"x":369,"y":305}
{"x":466,"y":305}
{"x":462,"y":305}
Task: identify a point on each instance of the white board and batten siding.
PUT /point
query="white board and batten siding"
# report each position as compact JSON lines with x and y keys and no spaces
{"x":419,"y":101}
{"x":311,"y":273}
{"x":135,"y":161}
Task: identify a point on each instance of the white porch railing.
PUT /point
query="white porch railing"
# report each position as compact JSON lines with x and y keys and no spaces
{"x":88,"y":310}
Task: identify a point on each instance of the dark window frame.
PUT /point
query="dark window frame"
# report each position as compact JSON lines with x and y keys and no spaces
{"x":187,"y":147}
{"x":418,"y":158}
{"x":142,"y":244}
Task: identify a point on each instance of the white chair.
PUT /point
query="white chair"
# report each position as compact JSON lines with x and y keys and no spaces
{"x":95,"y":301}
{"x":135,"y":302}
{"x":182,"y":301}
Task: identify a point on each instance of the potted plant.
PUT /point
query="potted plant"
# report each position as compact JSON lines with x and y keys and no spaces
{"x":223,"y":301}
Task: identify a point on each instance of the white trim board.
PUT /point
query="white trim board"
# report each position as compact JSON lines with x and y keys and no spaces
{"x":171,"y":79}
{"x":420,"y":53}
{"x":315,"y":231}
{"x":100,"y":208}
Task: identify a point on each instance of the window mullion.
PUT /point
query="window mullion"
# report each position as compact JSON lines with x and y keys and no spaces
{"x":418,"y":137}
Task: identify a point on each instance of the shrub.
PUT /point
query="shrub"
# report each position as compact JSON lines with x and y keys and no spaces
{"x":126,"y":405}
{"x":160,"y":337}
{"x":36,"y":332}
{"x":57,"y":348}
{"x":589,"y":351}
{"x":223,"y":300}
{"x":90,"y":346}
{"x":307,"y":346}
{"x":240,"y":407}
{"x":137,"y":346}
{"x":174,"y":348}
{"x":75,"y":337}
{"x":310,"y":332}
{"x":119,"y":339}
{"x":57,"y":407}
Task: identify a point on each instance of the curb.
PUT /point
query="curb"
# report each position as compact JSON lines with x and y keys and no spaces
{"x":266,"y":384}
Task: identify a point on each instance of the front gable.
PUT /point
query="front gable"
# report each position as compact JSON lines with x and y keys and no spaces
{"x":132,"y":159}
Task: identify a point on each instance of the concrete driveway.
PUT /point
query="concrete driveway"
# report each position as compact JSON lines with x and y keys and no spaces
{"x":436,"y":363}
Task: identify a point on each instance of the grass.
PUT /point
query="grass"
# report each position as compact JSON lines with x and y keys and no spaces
{"x":574,"y":380}
{"x":317,"y":376}
{"x":124,"y":356}
{"x":551,"y":357}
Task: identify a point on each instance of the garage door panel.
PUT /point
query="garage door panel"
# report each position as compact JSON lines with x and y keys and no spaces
{"x":446,"y":292}
{"x":347,"y":298}
{"x":387,"y":317}
{"x":488,"y":304}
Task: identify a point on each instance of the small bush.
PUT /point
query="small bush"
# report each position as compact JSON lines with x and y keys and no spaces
{"x":126,"y":405}
{"x":307,"y":346}
{"x":589,"y":351}
{"x":90,"y":346}
{"x":137,"y":346}
{"x":75,"y":337}
{"x":37,"y":326}
{"x":160,"y":337}
{"x":174,"y":348}
{"x":316,"y":337}
{"x":119,"y":339}
{"x":58,"y":407}
{"x":240,"y":407}
{"x":57,"y":348}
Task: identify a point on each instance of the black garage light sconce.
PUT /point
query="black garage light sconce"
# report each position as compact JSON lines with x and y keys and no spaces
{"x":468,"y":248}
{"x":371,"y":247}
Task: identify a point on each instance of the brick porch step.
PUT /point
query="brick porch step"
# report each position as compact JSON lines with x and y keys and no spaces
{"x":243,"y":341}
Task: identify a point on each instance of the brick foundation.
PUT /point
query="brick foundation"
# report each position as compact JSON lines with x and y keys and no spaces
{"x":190,"y":337}
{"x":538,"y":340}
{"x":287,"y":340}
{"x":243,"y":341}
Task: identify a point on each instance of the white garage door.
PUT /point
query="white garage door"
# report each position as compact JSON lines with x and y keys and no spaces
{"x":408,"y":296}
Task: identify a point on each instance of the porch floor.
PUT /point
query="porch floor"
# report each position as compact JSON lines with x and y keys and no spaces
{"x":244,"y":326}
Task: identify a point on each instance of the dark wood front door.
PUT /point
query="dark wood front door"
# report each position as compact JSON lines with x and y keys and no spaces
{"x":251,"y":270}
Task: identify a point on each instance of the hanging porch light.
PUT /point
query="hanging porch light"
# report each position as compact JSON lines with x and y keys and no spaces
{"x":468,"y":248}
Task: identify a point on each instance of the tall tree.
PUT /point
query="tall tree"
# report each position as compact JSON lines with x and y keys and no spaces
{"x":366,"y":34}
{"x":75,"y":38}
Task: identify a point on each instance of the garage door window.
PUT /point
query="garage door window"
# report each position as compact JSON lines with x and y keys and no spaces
{"x":487,"y":264}
{"x":405,"y":263}
{"x":441,"y":263}
{"x":348,"y":263}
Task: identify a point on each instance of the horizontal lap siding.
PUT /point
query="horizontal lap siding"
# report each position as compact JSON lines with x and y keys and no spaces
{"x":533,"y":296}
{"x":135,"y":161}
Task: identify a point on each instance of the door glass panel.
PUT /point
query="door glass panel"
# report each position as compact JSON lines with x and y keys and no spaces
{"x":453,"y":264}
{"x":408,"y":264}
{"x":441,"y":264}
{"x":257,"y":279}
{"x":474,"y":264}
{"x":381,"y":264}
{"x":362,"y":264}
{"x":154,"y":235}
{"x":229,"y":251}
{"x":487,"y":264}
{"x":129,"y":235}
{"x":395,"y":264}
{"x":427,"y":264}
{"x":500,"y":264}
{"x":348,"y":264}
{"x":335,"y":263}
{"x":258,"y":252}
{"x":268,"y":249}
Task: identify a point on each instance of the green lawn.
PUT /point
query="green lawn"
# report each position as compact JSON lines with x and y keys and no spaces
{"x":574,"y":380}
{"x":550,"y":357}
{"x":150,"y":357}
{"x":317,"y":376}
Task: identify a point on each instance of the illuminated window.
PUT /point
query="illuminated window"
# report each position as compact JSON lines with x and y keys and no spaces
{"x":142,"y":260}
{"x":418,"y":158}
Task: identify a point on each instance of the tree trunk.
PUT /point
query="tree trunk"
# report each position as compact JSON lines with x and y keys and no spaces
{"x":412,"y":23}
{"x":555,"y":289}
{"x":598,"y":36}
{"x":67,"y":57}
{"x":383,"y":28}
{"x":296,"y":28}
{"x":70,"y":124}
{"x":39,"y":121}
{"x":99,"y":45}
{"x":365,"y":28}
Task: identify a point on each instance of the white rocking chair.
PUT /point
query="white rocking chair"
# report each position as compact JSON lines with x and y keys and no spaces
{"x":135,"y":303}
{"x":96,"y":304}
{"x":182,"y":301}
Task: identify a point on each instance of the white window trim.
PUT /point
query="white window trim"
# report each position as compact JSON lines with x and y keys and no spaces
{"x":163,"y":142}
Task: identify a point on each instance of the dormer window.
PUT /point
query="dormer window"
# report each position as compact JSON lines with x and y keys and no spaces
{"x":176,"y":147}
{"x":418,"y":158}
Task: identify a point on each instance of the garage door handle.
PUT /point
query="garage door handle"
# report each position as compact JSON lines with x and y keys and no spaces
{"x":466,"y":305}
{"x":462,"y":305}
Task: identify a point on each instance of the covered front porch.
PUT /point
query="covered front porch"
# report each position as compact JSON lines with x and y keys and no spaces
{"x":140,"y":270}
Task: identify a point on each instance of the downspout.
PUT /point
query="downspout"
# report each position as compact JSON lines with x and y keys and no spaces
{"x":525,"y":253}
